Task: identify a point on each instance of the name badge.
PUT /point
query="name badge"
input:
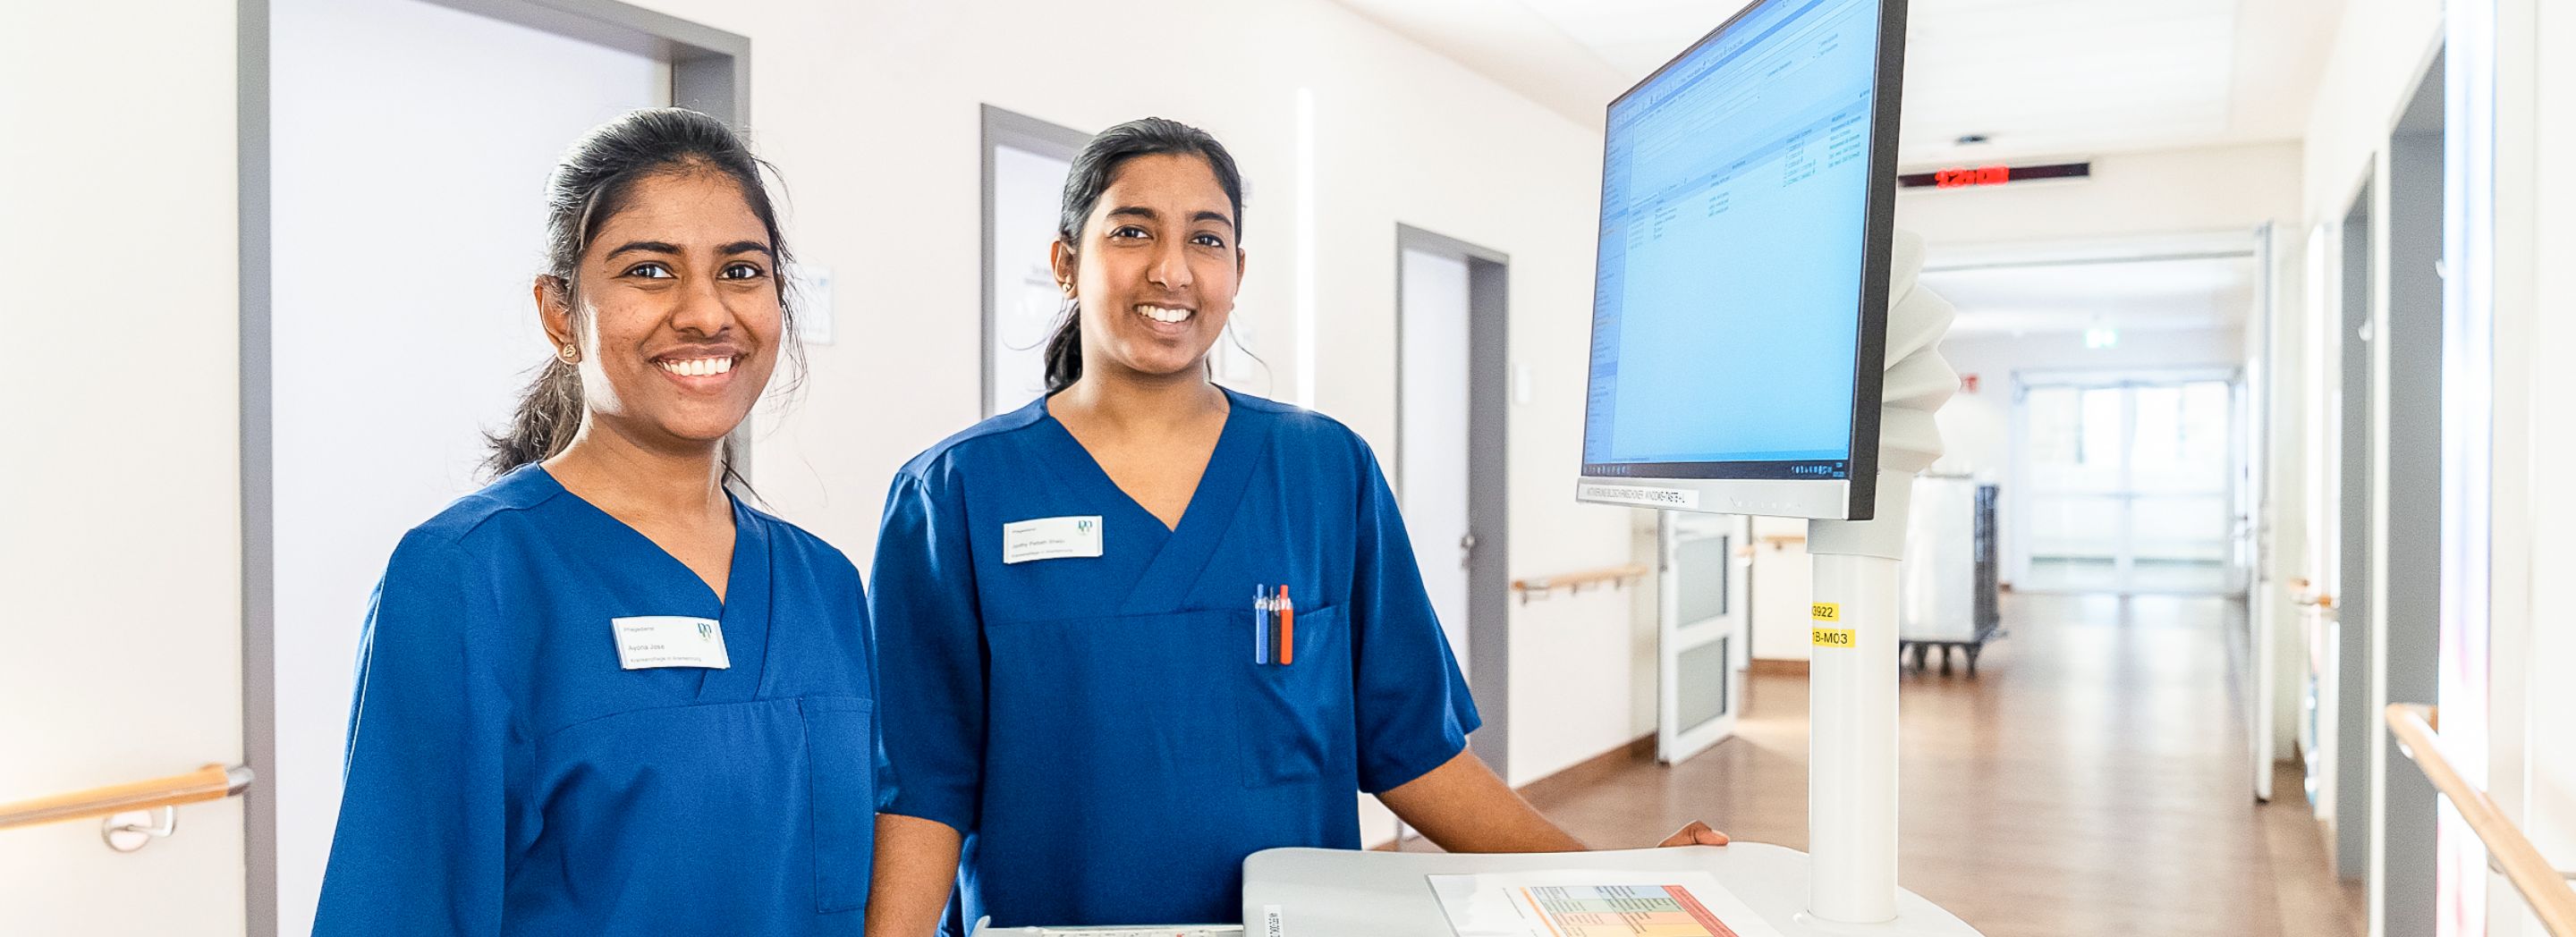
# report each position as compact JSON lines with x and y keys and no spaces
{"x":1051,"y":538}
{"x":649,"y":641}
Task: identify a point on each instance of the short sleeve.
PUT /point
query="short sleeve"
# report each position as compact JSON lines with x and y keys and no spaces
{"x":930,"y":642}
{"x":1413,"y":706}
{"x":420,"y":847}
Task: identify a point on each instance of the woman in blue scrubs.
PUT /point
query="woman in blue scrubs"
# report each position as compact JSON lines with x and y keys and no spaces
{"x":602,"y":695}
{"x":1088,"y":726}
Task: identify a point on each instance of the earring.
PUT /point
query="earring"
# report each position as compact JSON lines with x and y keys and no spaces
{"x":1066,"y":287}
{"x":570,"y":354}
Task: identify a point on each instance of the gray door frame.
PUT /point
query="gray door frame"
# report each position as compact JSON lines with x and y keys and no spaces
{"x":710,"y":73}
{"x":1488,"y":483}
{"x":2355,"y":724}
{"x":2409,"y":584}
{"x":1029,"y":134}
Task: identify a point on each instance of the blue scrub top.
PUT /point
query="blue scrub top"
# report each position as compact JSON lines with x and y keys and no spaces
{"x":505,"y":776}
{"x":1097,"y":727}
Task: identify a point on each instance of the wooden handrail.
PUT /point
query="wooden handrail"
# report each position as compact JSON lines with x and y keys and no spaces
{"x":212,"y":782}
{"x":2544,"y":887}
{"x":2304,"y":593}
{"x":1575,"y":581}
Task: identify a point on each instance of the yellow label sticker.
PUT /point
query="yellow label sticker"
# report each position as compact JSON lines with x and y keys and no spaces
{"x":1833,"y":637}
{"x":1827,"y":611}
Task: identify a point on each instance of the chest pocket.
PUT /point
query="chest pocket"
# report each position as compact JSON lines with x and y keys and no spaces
{"x":840,"y":751}
{"x":1298,"y":717}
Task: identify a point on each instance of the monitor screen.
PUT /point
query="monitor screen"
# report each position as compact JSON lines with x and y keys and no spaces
{"x":1739,"y":303}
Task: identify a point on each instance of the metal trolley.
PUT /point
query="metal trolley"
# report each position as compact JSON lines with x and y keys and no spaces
{"x":1948,"y":598}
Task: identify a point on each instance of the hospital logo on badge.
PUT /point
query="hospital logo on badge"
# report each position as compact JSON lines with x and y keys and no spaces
{"x":1085,"y":525}
{"x":706,"y":630}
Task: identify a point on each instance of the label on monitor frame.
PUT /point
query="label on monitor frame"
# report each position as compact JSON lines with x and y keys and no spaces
{"x":1682,"y":498}
{"x":1833,"y":637}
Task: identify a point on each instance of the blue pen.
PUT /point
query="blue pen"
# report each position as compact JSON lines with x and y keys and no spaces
{"x":1261,"y":624}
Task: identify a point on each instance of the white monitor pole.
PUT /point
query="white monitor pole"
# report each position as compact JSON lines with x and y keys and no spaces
{"x":1851,"y":743}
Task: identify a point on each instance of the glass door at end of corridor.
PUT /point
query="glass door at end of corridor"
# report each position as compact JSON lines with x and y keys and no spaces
{"x":2127,"y":484}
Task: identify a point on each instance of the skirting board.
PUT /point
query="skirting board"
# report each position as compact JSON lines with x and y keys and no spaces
{"x":1768,"y":667}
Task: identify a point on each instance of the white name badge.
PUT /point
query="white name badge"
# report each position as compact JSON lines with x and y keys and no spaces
{"x":649,"y":641}
{"x":1051,"y":538}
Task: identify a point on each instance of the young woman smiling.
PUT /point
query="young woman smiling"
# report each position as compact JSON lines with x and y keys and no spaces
{"x":1088,"y":725}
{"x":602,"y":695}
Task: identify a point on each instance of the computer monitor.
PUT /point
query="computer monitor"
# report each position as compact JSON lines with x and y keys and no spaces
{"x":1739,"y":313}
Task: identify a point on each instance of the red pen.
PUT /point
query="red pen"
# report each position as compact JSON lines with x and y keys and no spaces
{"x":1287,"y":628}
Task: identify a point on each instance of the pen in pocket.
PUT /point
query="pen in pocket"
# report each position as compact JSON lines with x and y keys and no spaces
{"x":1287,"y":628}
{"x":1261,"y":624}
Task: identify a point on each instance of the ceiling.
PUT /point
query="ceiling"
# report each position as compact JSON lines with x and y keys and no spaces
{"x":2074,"y":78}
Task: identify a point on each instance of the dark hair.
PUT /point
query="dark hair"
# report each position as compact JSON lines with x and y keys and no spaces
{"x":1083,"y":185}
{"x":595,"y":181}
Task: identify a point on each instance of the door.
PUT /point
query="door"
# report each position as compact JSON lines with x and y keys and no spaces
{"x":1699,"y":630}
{"x":1025,"y":162}
{"x":1432,"y":468}
{"x":2129,"y":485}
{"x":400,"y":332}
{"x":1450,"y":469}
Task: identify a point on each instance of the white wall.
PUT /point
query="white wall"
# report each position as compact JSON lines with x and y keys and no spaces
{"x":2133,"y":194}
{"x":1783,"y":581}
{"x":119,"y":532}
{"x":2532,"y":769}
{"x":2381,"y":47}
{"x":870,"y":111}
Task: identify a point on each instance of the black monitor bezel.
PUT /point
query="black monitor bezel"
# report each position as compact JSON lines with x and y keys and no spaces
{"x":1878,"y":238}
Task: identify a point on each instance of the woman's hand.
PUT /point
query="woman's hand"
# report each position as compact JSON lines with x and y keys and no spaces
{"x":1696,"y":834}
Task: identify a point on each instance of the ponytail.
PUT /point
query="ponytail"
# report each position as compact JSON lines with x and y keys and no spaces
{"x":549,"y":413}
{"x":1064,"y":349}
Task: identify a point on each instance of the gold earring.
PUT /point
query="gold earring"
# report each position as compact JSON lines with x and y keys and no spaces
{"x":570,"y":354}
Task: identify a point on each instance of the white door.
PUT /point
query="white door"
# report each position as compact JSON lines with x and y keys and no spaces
{"x":1432,"y":460}
{"x":411,"y":148}
{"x":2323,"y":442}
{"x":1028,"y":192}
{"x":2254,"y":535}
{"x":120,"y":539}
{"x":1699,"y":633}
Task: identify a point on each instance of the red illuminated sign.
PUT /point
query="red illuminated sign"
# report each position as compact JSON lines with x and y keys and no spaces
{"x":1963,"y":178}
{"x":1969,"y":177}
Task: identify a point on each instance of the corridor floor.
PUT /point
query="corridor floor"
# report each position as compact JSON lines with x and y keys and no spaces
{"x":2090,"y":781}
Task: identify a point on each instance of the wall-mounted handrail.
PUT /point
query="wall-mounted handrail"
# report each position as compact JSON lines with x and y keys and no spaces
{"x":212,"y":782}
{"x":2304,"y":593}
{"x":2545,"y":888}
{"x":1540,"y":586}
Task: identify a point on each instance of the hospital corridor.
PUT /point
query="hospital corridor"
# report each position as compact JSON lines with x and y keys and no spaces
{"x":1307,"y":468}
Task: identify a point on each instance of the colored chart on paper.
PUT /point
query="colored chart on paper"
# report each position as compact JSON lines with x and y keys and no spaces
{"x":1620,"y":911}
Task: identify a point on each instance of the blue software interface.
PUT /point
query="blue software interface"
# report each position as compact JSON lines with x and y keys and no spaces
{"x":1726,"y":307}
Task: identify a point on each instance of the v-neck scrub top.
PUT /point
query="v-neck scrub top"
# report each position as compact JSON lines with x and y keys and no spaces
{"x":506,"y":776}
{"x":1098,"y":727}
